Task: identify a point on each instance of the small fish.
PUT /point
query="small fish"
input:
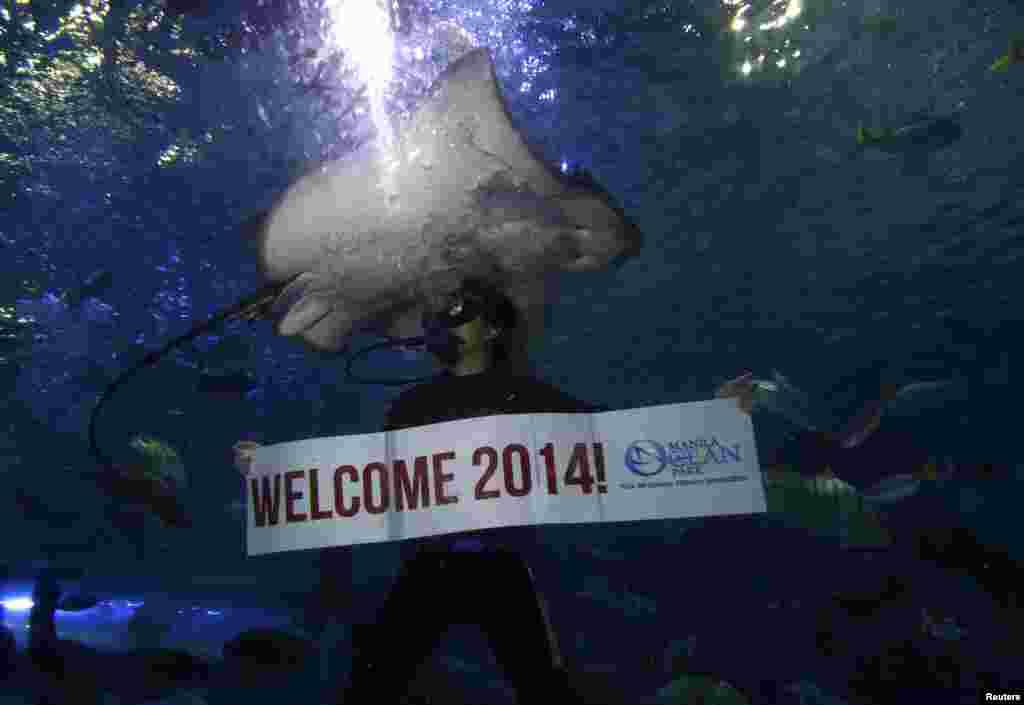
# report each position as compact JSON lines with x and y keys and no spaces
{"x":149,"y":674}
{"x":881,"y":24}
{"x":781,"y":397}
{"x":265,"y":651}
{"x":941,"y":629}
{"x":177,"y":8}
{"x":54,"y":551}
{"x":866,"y":604}
{"x":77,"y":603}
{"x":958,"y":550}
{"x":826,"y":484}
{"x":984,"y":471}
{"x":1014,"y":56}
{"x":600,"y":553}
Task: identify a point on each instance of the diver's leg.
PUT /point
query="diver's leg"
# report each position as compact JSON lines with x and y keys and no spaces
{"x":408,"y":628}
{"x":514,"y":619}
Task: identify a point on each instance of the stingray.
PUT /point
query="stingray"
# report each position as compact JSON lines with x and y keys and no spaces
{"x":379,"y":237}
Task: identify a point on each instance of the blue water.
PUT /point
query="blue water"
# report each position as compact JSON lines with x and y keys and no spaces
{"x":771,"y":243}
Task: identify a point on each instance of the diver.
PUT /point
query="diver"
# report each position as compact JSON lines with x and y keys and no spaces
{"x":482,"y":354}
{"x":481,"y":377}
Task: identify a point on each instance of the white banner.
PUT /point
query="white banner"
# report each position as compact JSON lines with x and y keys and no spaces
{"x":660,"y":462}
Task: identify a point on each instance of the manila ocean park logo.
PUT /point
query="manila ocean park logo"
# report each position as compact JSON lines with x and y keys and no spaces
{"x":651,"y":458}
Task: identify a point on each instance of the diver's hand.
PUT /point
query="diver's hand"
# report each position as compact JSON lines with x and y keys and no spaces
{"x":741,"y":389}
{"x":243,"y":456}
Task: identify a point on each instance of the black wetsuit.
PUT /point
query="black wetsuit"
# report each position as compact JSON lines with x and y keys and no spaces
{"x":450,"y":398}
{"x":477,"y":577}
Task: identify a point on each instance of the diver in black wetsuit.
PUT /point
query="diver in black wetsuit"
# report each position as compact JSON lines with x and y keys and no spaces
{"x":471,"y":573}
